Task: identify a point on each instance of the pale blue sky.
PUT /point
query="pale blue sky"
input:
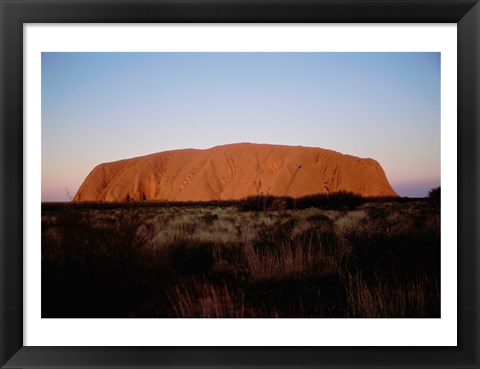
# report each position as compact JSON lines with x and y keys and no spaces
{"x":101,"y":107}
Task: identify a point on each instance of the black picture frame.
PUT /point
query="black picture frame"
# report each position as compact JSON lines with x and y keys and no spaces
{"x":15,"y":13}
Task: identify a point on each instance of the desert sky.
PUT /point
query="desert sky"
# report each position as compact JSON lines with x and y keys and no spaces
{"x":102,"y":107}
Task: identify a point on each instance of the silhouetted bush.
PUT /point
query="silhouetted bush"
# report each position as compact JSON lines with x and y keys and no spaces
{"x":318,"y":241}
{"x":209,"y":218}
{"x":275,"y":236}
{"x":297,"y":296}
{"x":434,"y":197}
{"x":336,"y":200}
{"x":265,"y":202}
{"x":94,"y":269}
{"x":190,"y":256}
{"x":377,"y":247}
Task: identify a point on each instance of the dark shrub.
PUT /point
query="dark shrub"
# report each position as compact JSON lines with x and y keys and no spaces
{"x":377,"y":212}
{"x":378,"y":248}
{"x":275,"y":236}
{"x":189,"y":256}
{"x":319,"y":218}
{"x":336,"y":200}
{"x":210,"y":218}
{"x":317,"y":239}
{"x":266,"y":202}
{"x":313,"y":296}
{"x":91,"y":267}
{"x":434,"y":197}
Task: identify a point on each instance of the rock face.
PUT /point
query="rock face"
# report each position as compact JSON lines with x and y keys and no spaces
{"x":234,"y":172}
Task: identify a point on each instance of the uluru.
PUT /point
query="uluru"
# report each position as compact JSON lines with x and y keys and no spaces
{"x":234,"y":171}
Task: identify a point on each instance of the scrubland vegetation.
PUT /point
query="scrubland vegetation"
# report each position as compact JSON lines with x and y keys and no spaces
{"x":321,"y":257}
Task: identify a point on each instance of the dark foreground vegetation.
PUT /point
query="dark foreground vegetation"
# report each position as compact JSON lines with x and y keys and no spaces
{"x":320,"y":256}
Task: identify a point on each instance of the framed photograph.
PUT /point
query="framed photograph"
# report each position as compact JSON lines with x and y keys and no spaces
{"x":239,"y":184}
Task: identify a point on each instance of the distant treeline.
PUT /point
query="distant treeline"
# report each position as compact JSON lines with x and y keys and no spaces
{"x":336,"y":200}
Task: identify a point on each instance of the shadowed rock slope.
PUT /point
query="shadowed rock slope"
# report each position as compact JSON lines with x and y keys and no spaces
{"x":234,"y":171}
